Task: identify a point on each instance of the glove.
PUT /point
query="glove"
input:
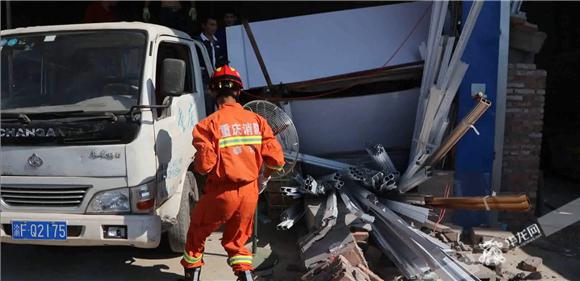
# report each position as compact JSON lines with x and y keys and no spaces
{"x":192,"y":13}
{"x":146,"y":14}
{"x":263,"y":182}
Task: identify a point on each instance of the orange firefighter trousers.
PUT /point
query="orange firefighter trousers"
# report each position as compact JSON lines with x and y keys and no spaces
{"x":231,"y":206}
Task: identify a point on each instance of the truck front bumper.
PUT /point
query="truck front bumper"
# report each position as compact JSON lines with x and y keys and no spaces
{"x":143,"y":231}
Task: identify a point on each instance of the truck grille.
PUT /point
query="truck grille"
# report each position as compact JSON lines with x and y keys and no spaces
{"x":43,"y":196}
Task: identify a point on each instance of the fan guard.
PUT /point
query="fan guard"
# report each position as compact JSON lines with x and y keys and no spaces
{"x":283,"y":129}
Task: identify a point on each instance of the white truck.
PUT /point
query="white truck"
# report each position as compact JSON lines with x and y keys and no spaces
{"x":96,"y":134}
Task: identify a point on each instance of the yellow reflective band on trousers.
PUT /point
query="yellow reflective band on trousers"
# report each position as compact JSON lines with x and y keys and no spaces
{"x":190,"y":259}
{"x":240,"y":140}
{"x":240,"y":259}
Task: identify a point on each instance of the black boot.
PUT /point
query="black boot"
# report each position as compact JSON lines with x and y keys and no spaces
{"x":192,"y":274}
{"x":245,"y":275}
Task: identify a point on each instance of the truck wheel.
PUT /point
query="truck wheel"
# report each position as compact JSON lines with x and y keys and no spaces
{"x":177,"y":233}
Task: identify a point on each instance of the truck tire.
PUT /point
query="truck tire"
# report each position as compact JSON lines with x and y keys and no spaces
{"x":177,"y":233}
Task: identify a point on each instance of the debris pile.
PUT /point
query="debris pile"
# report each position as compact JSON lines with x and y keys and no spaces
{"x":347,"y":200}
{"x":366,"y":200}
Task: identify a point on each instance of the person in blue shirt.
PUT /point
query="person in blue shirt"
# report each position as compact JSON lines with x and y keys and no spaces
{"x":212,"y":44}
{"x":215,"y":51}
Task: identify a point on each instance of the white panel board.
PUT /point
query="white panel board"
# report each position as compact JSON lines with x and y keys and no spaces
{"x":348,"y":124}
{"x":321,"y":45}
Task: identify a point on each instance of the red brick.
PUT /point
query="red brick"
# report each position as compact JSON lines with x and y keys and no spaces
{"x":360,"y":236}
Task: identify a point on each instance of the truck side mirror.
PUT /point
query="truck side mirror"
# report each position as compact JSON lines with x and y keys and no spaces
{"x":172,"y":77}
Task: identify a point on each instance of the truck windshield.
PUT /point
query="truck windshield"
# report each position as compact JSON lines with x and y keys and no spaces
{"x":88,"y":71}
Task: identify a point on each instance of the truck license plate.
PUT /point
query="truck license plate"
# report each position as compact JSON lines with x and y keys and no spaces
{"x":39,"y":230}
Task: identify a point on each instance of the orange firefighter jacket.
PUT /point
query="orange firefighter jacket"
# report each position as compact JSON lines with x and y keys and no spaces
{"x":232,"y":145}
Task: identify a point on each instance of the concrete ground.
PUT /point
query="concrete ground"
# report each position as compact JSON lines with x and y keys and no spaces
{"x":560,"y":251}
{"x":559,"y":263}
{"x":26,"y":262}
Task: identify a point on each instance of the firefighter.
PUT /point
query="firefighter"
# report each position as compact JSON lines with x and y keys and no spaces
{"x":232,"y":145}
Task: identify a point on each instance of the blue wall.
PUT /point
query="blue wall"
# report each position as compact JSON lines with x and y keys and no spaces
{"x":474,"y":154}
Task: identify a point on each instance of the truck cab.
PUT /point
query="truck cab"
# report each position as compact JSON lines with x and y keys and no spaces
{"x":96,"y":134}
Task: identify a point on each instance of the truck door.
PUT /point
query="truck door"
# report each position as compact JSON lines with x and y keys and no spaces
{"x":206,"y":72}
{"x":174,"y":124}
{"x":204,"y":62}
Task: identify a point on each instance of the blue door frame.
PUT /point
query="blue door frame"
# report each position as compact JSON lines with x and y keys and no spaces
{"x":474,"y":154}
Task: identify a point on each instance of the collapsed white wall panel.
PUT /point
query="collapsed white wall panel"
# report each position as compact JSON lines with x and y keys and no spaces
{"x":326,"y":44}
{"x":348,"y":124}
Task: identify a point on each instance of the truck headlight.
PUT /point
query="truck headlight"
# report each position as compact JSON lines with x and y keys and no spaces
{"x":110,"y":201}
{"x":143,"y":198}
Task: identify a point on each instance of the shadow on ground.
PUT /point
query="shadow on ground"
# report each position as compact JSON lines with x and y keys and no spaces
{"x":285,"y":255}
{"x":560,"y":252}
{"x":48,"y":263}
{"x":51,"y":263}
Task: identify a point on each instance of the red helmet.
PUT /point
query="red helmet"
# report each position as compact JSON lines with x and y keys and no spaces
{"x":226,"y":77}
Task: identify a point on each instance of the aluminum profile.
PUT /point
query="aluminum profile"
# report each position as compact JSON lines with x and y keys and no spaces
{"x":382,"y":159}
{"x":328,"y":221}
{"x":433,"y":101}
{"x":439,"y":136}
{"x":293,"y":192}
{"x":353,"y":208}
{"x":420,"y":177}
{"x":459,"y":131}
{"x":438,"y":13}
{"x":449,"y":95}
{"x":419,"y":214}
{"x":412,"y":170}
{"x":463,"y":39}
{"x":402,"y":234}
{"x":290,"y":216}
{"x":330,"y":177}
{"x":311,"y":186}
{"x":321,"y":162}
{"x":449,"y":42}
{"x":410,"y":264}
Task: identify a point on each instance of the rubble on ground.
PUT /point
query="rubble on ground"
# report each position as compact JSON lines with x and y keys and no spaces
{"x":352,"y":231}
{"x":343,"y":259}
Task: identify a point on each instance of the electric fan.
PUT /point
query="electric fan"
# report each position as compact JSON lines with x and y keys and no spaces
{"x":283,"y":129}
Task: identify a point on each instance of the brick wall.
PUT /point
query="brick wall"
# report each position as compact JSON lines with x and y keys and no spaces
{"x":523,"y":130}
